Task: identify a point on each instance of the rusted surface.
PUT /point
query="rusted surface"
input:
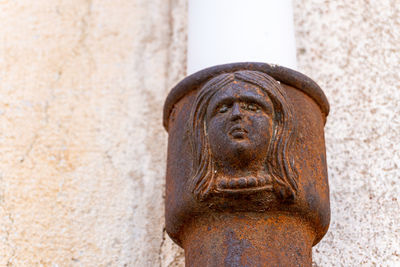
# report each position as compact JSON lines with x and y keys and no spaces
{"x":270,"y":239}
{"x":246,"y":174}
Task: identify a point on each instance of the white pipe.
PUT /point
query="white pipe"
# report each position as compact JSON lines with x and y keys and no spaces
{"x":226,"y":31}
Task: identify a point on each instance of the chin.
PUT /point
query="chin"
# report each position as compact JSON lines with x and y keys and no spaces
{"x":238,"y":146}
{"x":242,"y":143}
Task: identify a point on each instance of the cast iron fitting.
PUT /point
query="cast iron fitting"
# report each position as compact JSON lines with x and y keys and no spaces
{"x":246,"y":181}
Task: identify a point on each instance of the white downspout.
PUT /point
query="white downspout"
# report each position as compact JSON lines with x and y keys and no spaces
{"x":227,"y":31}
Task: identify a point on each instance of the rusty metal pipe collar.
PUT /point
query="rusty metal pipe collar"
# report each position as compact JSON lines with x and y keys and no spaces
{"x":246,"y":181}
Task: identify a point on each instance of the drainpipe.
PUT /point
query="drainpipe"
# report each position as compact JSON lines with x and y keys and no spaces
{"x":227,"y":31}
{"x":246,"y":179}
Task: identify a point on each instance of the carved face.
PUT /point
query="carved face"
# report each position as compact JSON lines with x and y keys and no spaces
{"x":241,"y":132}
{"x":239,"y":123}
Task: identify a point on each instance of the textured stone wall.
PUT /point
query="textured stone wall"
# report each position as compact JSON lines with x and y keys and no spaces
{"x":82,"y":85}
{"x":352,"y":50}
{"x":82,"y":148}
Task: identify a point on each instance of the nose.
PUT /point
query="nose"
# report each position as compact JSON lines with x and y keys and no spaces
{"x":236,"y":113}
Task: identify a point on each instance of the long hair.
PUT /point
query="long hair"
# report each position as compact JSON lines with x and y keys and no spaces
{"x":279,"y":163}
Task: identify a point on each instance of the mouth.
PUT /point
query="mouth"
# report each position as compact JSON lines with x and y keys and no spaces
{"x":238,"y":132}
{"x":245,"y":184}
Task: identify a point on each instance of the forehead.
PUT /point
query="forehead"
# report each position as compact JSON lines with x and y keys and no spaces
{"x":241,"y":90}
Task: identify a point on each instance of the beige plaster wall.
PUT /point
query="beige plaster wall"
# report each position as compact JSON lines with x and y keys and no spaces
{"x":352,"y":50}
{"x":82,"y":148}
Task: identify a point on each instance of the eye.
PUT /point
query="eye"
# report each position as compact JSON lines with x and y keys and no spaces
{"x":223,"y":108}
{"x":251,"y":107}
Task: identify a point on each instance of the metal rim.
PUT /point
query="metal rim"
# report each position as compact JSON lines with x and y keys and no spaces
{"x":285,"y":75}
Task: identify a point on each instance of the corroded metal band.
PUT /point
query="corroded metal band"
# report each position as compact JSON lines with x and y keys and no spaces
{"x":282,"y":74}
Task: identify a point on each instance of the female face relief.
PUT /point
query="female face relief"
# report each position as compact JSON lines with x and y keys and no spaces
{"x":240,"y":123}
